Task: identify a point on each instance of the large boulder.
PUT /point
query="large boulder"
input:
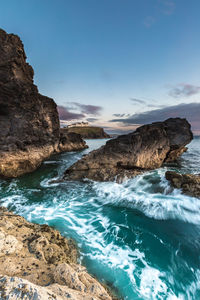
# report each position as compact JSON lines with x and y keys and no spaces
{"x":188,"y":183}
{"x":34,"y":256}
{"x":146,"y":148}
{"x":29,"y":122}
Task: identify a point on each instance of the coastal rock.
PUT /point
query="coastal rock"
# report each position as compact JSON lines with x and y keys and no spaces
{"x":188,"y":183}
{"x":34,"y":256}
{"x":89,"y":132}
{"x":29,"y":122}
{"x":146,"y":148}
{"x":70,"y":141}
{"x":14,"y":288}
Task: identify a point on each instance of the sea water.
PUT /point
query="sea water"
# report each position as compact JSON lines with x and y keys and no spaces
{"x":141,"y":237}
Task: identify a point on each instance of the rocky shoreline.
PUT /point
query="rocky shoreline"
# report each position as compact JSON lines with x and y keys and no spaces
{"x":126,"y":156}
{"x":36,"y":262}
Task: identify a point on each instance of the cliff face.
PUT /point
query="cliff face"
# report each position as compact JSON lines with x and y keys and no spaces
{"x":89,"y":132}
{"x":146,"y":148}
{"x":29,"y":123}
{"x":36,"y":262}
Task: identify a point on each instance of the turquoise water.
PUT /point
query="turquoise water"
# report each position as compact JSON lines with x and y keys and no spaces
{"x":140,"y":237}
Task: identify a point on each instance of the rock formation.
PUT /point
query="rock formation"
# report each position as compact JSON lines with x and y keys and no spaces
{"x":128,"y":155}
{"x":70,"y":141}
{"x":29,"y":123}
{"x":188,"y":183}
{"x":89,"y":132}
{"x":36,"y":262}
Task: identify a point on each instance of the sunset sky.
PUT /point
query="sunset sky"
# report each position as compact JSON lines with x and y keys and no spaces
{"x":116,"y":63}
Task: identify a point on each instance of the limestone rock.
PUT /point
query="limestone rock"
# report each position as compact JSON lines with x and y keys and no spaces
{"x":14,"y":288}
{"x":189,"y":183}
{"x":146,"y":148}
{"x":34,"y":256}
{"x":70,"y":141}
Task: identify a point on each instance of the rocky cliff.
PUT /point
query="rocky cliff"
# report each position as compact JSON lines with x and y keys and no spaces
{"x":36,"y":262}
{"x":188,"y":183}
{"x":29,"y":123}
{"x":128,"y":155}
{"x":89,"y":132}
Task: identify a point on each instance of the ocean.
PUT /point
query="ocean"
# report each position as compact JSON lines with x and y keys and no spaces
{"x":141,"y":237}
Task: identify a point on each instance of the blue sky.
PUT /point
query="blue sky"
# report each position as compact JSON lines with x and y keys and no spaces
{"x":111,"y":53}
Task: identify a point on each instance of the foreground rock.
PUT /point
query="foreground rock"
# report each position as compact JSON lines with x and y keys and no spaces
{"x":128,"y":155}
{"x":189,"y":183}
{"x":36,"y":262}
{"x":89,"y":132}
{"x":29,"y":123}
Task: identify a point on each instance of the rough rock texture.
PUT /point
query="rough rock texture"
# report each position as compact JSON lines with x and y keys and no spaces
{"x":128,"y":155}
{"x":34,"y":256}
{"x":29,"y":123}
{"x":70,"y":141}
{"x":189,"y":183}
{"x":89,"y":132}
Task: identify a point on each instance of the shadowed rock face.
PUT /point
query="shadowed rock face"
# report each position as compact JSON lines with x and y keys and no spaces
{"x":36,"y":262}
{"x":29,"y":123}
{"x":188,"y":183}
{"x":128,"y":155}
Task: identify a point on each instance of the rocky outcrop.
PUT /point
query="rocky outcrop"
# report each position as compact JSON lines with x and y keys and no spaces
{"x":188,"y":183}
{"x":70,"y":141}
{"x":128,"y":155}
{"x":89,"y":132}
{"x":36,"y":261}
{"x":29,"y":123}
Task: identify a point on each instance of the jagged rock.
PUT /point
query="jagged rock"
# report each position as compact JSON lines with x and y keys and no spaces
{"x":29,"y":123}
{"x":33,"y":256}
{"x":189,"y":183}
{"x":128,"y":155}
{"x":70,"y":141}
{"x":14,"y":288}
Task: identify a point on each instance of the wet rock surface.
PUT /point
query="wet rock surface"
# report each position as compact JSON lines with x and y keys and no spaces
{"x":146,"y":148}
{"x":29,"y":122}
{"x":188,"y":183}
{"x":35,"y":260}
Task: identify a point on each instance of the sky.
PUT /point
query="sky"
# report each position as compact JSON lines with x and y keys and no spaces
{"x":115,"y":63}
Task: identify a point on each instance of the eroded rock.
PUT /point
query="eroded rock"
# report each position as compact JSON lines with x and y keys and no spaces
{"x":146,"y":148}
{"x":188,"y":183}
{"x":29,"y":122}
{"x":34,"y":256}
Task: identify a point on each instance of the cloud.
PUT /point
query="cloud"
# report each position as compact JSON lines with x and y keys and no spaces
{"x":91,"y":120}
{"x":65,"y":114}
{"x":88,"y":109}
{"x":184,"y":90}
{"x":189,"y":111}
{"x":121,"y":115}
{"x":155,"y":106}
{"x":135,"y":100}
{"x":167,"y":7}
{"x":149,"y":21}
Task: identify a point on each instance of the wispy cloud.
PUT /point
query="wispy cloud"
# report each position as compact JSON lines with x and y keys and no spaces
{"x":184,"y":90}
{"x":88,"y":109}
{"x":149,"y":21}
{"x":121,"y":115}
{"x":65,"y":114}
{"x":167,"y":7}
{"x":135,"y":100}
{"x":189,"y":111}
{"x":92,"y":120}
